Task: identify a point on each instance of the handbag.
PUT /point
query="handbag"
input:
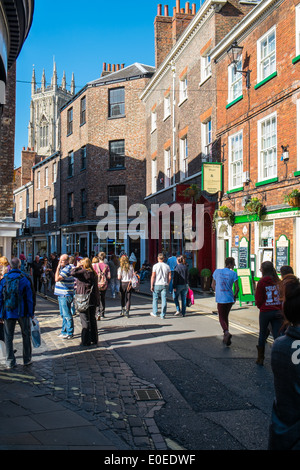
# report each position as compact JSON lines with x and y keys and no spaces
{"x":35,"y":332}
{"x":190,"y":298}
{"x":82,"y":301}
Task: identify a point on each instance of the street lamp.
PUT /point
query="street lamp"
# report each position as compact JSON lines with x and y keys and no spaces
{"x":234,"y":53}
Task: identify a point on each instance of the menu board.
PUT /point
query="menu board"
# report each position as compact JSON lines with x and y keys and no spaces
{"x":244,"y":253}
{"x":282,"y":252}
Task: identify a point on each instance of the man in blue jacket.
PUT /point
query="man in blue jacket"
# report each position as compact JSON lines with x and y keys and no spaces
{"x":16,"y":305}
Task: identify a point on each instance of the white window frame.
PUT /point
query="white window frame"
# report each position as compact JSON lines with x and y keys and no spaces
{"x":154,"y":175}
{"x":46,"y":212}
{"x":206,"y":134}
{"x":298,"y":134}
{"x":205,"y":72}
{"x":167,"y":106}
{"x":263,"y":149}
{"x":297,"y":19}
{"x":183,"y":89}
{"x":38,"y":207}
{"x":38,"y":180}
{"x":21,"y":204}
{"x":54,"y":172}
{"x":261,"y":75}
{"x":153,"y":121}
{"x":46,"y":176}
{"x":235,"y":81}
{"x":235,"y":145}
{"x":184,"y":154}
{"x":168,"y":167}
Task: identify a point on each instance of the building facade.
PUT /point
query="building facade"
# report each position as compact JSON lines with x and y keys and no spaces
{"x":181,"y":105}
{"x":258,"y":122}
{"x":103,"y":152}
{"x":15,"y":23}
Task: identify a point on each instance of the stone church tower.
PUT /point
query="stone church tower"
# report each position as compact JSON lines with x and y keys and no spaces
{"x":43,"y":129}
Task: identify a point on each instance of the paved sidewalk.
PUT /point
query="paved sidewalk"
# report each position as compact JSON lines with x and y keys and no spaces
{"x":73,"y":397}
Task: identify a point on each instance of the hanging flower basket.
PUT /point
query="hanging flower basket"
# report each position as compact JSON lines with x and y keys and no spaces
{"x":255,"y":206}
{"x":224,"y":213}
{"x":193,"y":192}
{"x":293,"y":198}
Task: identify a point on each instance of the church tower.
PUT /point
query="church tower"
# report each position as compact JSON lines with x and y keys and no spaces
{"x":43,"y":129}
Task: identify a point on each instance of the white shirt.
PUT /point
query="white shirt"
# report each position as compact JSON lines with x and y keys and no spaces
{"x":125,"y":276}
{"x":162,"y":271}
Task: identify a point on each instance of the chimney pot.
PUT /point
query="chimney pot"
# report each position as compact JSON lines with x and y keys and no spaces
{"x":118,"y":66}
{"x":159,"y":9}
{"x":109,"y":67}
{"x":177,"y":6}
{"x":194,"y":9}
{"x":166,"y":10}
{"x":114,"y":68}
{"x":181,"y":10}
{"x":187,"y":8}
{"x":104,"y":66}
{"x":122,"y":66}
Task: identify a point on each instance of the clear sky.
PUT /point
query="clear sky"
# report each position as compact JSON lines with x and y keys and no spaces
{"x":80,"y":35}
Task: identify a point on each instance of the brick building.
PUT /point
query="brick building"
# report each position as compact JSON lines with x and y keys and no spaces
{"x":103,"y":151}
{"x":15,"y":23}
{"x":258,"y":127}
{"x":181,"y":109}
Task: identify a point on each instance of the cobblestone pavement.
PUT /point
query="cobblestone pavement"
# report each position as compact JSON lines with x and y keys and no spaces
{"x":92,"y":381}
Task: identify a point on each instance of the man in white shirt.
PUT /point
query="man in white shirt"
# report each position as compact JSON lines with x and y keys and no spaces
{"x":160,"y":279}
{"x":223,"y":281}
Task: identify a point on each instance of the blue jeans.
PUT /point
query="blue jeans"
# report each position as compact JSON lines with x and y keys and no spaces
{"x":9,"y":329}
{"x":65,"y":308}
{"x":181,"y":291}
{"x":160,"y":291}
{"x":275,"y":318}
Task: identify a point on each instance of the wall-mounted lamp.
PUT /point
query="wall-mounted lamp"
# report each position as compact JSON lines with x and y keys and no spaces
{"x":285,"y":153}
{"x":234,"y":53}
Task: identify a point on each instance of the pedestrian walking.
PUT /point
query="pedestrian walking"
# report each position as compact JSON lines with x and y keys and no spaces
{"x":64,"y":289}
{"x":87,"y":284}
{"x":4,"y":266}
{"x":103,"y":273}
{"x":267,"y":299}
{"x":172,"y":263}
{"x":223,"y":281}
{"x":16,"y":305}
{"x":160,"y":279}
{"x":22,"y":258}
{"x":45,"y":275}
{"x":35,"y":272}
{"x":180,"y":285}
{"x":53,"y":263}
{"x":125,"y":275}
{"x":114,"y":282}
{"x":285,"y":359}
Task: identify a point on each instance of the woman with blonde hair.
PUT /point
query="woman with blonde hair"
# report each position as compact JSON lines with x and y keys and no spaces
{"x":87,"y":282}
{"x":4,"y":266}
{"x":125,"y":275}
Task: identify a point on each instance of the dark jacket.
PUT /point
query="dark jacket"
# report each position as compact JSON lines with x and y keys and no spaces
{"x":85,"y":281}
{"x":181,"y":275}
{"x":285,"y":361}
{"x":267,"y":297}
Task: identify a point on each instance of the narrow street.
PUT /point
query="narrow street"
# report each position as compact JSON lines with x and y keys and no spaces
{"x":154,"y":384}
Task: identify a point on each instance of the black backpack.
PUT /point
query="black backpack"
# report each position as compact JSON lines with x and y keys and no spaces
{"x":11,"y":293}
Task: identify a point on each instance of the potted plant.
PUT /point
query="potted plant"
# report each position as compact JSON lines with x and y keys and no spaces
{"x":255,"y":206}
{"x":193,"y":192}
{"x":205,"y":279}
{"x":293,"y":198}
{"x":193,"y":277}
{"x":224,"y":213}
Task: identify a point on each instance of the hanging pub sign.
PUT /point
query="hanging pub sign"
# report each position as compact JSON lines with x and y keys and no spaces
{"x":212,"y":177}
{"x":282,"y":252}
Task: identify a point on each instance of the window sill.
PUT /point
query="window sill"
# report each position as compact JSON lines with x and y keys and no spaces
{"x":235,"y":190}
{"x":297,"y":173}
{"x":258,"y":85}
{"x":153,"y":130}
{"x":116,"y":169}
{"x":182,"y":101}
{"x":167,"y":117}
{"x":82,"y":124}
{"x":204,"y":80}
{"x":70,"y":133}
{"x":271,"y":180}
{"x":121,"y":116}
{"x":296,"y":59}
{"x":234,"y":101}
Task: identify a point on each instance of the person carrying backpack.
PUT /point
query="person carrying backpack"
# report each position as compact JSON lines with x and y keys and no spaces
{"x":103,"y":273}
{"x":16,"y":305}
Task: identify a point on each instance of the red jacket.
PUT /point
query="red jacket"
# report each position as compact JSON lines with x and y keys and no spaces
{"x":267,"y":295}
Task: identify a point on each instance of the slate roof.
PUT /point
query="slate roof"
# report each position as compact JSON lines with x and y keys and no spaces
{"x":131,"y":72}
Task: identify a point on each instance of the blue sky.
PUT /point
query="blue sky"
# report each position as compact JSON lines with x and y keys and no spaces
{"x":81,"y":36}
